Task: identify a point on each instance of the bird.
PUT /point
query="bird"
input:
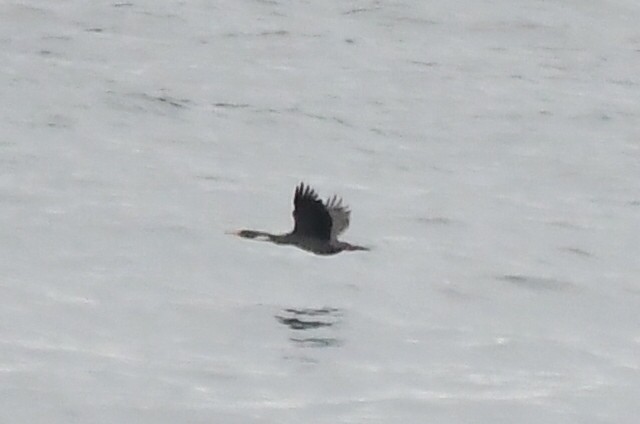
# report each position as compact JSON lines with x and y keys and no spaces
{"x":317,"y":224}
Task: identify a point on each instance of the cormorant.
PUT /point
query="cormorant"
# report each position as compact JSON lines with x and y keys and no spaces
{"x":316,"y":224}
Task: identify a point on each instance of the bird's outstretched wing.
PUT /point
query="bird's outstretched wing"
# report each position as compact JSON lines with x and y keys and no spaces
{"x":340,"y":216}
{"x":312,"y":219}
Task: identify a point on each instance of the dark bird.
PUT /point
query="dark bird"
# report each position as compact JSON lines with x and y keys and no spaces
{"x":317,"y":225}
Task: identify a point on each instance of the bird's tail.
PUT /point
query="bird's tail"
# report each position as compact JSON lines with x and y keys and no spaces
{"x":353,"y":247}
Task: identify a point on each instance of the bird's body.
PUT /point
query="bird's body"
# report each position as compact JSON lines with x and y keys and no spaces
{"x":316,"y":225}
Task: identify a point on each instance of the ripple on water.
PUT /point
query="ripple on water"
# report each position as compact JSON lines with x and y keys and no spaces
{"x":577,"y":251}
{"x":537,"y":283}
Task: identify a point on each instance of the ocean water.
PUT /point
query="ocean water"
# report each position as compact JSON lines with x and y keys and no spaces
{"x":489,"y":151}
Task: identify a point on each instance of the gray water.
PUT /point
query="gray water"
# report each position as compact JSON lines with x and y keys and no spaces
{"x":489,"y":151}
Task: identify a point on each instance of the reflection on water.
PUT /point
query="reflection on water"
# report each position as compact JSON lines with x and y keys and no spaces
{"x":311,"y":327}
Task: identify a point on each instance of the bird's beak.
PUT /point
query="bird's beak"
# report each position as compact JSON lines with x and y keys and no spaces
{"x":233,"y":233}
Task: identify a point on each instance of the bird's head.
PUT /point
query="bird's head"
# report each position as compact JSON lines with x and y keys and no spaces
{"x":251,"y":234}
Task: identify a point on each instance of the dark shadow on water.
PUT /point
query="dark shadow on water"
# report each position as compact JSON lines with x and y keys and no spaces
{"x":297,"y":324}
{"x":311,"y":327}
{"x":316,"y":342}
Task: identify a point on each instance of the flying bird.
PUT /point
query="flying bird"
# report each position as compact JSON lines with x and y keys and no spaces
{"x":317,"y":224}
